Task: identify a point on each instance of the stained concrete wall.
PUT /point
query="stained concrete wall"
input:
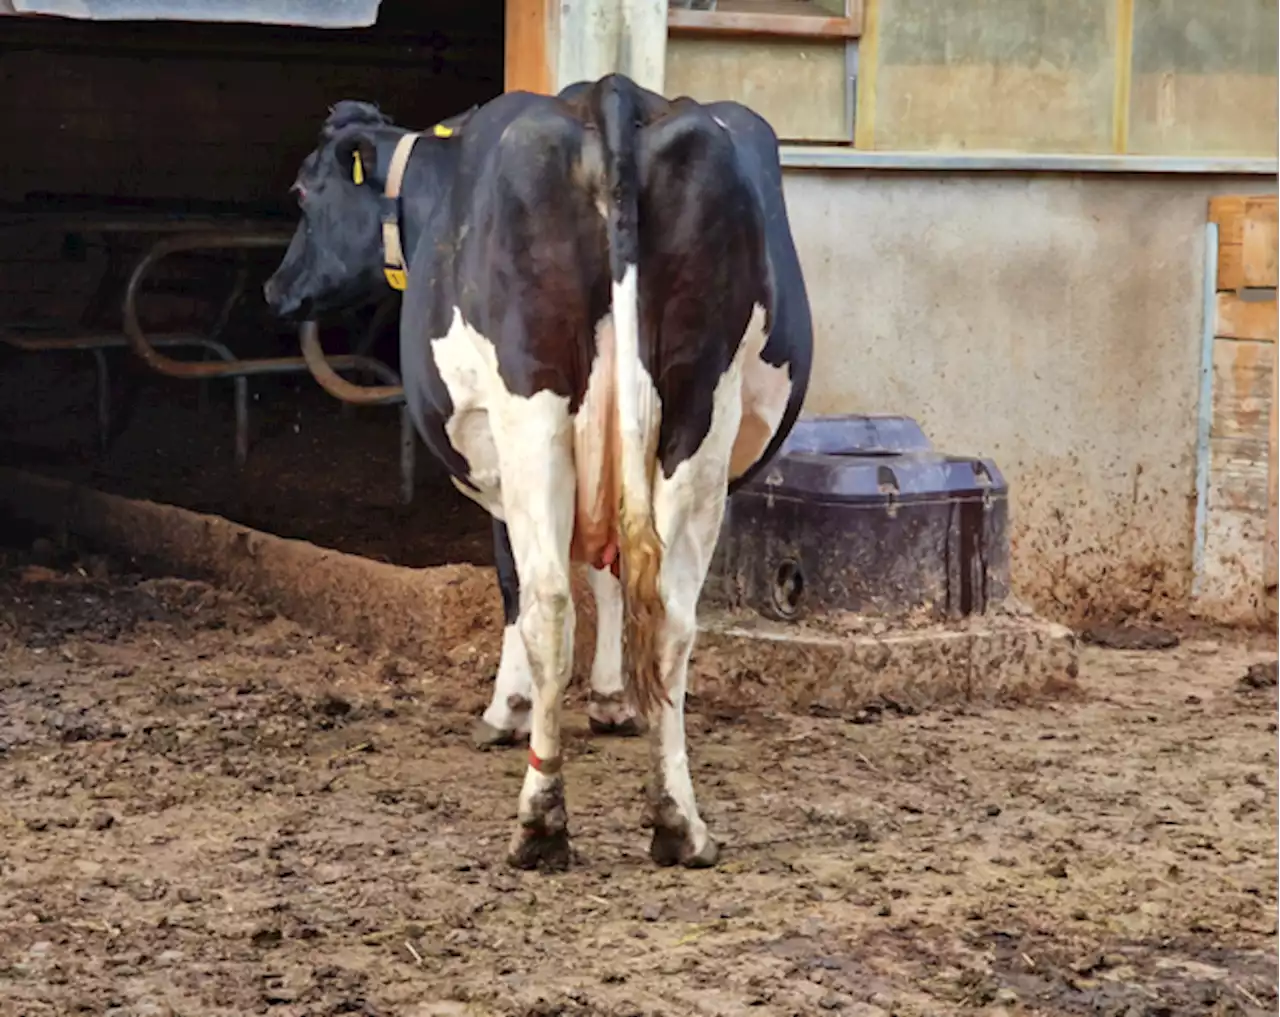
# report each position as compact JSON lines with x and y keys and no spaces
{"x":1052,"y":322}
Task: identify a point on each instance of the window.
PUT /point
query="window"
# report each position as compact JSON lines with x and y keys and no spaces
{"x":1020,"y":75}
{"x":792,"y":61}
{"x":1203,"y":78}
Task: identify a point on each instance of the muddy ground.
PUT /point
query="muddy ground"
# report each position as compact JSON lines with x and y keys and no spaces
{"x":209,"y":811}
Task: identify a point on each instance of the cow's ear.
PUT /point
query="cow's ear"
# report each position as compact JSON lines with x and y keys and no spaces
{"x":358,"y":156}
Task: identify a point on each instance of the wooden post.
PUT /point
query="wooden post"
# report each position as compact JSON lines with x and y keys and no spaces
{"x":554,"y":43}
{"x":529,"y":46}
{"x":643,"y":53}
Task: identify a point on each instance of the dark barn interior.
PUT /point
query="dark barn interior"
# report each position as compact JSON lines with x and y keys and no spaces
{"x":114,"y":126}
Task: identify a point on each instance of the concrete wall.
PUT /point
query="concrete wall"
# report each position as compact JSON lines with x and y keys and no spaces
{"x":1052,"y":322}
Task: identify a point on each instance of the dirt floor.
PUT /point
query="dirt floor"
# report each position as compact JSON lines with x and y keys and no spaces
{"x":209,"y":811}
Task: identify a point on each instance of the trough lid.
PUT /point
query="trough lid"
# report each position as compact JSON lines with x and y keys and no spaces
{"x":303,"y":13}
{"x":869,"y":459}
{"x":875,"y":479}
{"x":869,"y":434}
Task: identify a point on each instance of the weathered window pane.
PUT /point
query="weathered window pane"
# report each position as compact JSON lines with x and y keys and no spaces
{"x":799,"y":85}
{"x":1204,"y":77}
{"x":1019,"y":75}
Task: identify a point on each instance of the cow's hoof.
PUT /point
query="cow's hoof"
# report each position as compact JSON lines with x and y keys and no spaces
{"x":541,"y":841}
{"x":536,"y":847}
{"x":674,"y":846}
{"x":628,"y":727}
{"x":485,"y":736}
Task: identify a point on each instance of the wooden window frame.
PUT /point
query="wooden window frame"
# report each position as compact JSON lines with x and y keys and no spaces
{"x":681,"y":21}
{"x":823,"y":26}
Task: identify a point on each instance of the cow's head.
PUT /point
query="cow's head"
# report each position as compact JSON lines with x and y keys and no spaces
{"x":335,"y":258}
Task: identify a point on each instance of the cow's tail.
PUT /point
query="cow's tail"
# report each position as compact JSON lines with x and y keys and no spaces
{"x":636,"y":403}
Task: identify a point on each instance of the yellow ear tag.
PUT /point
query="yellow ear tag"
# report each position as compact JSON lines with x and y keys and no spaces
{"x":395,"y":277}
{"x":441,"y":131}
{"x":357,"y":169}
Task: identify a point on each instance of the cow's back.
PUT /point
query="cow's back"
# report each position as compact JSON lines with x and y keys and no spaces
{"x":522,"y":253}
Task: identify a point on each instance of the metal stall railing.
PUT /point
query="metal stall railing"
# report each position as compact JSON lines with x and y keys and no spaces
{"x":324,"y":369}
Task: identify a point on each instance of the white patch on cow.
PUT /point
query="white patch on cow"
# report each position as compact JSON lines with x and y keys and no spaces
{"x":766,"y":390}
{"x":720,"y":122}
{"x":606,"y":668}
{"x":513,"y":688}
{"x":520,"y":451}
{"x":639,"y":408}
{"x":468,"y":366}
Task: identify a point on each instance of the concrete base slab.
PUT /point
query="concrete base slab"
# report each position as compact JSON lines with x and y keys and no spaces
{"x":845,"y":664}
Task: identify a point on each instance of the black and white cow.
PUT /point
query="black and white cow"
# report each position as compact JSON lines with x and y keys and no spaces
{"x":604,"y":329}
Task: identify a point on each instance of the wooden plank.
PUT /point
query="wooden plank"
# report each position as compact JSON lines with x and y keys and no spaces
{"x":1239,"y":537}
{"x":1259,"y":242}
{"x":1238,"y":437}
{"x":741,"y":24}
{"x":1273,"y":486}
{"x":1230,"y":266}
{"x":1228,"y":212}
{"x":527,"y":58}
{"x":1239,"y":563}
{"x":1245,"y":319}
{"x":1247,"y":237}
{"x":1238,"y":483}
{"x":808,"y":8}
{"x":1242,"y":384}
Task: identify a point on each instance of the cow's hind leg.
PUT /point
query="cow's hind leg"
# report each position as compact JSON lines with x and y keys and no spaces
{"x":688,"y":510}
{"x":506,"y":721}
{"x":608,"y":709}
{"x":534,"y":438}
